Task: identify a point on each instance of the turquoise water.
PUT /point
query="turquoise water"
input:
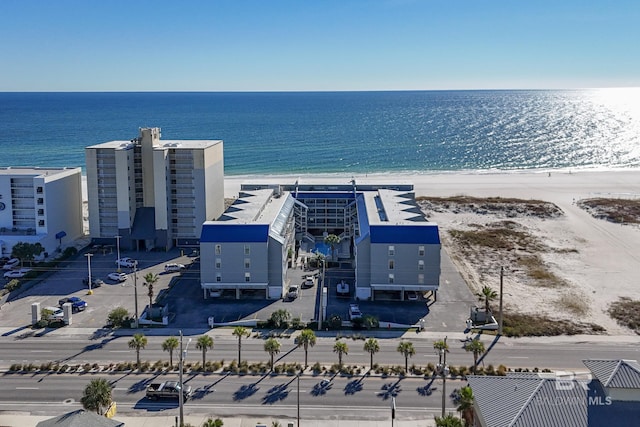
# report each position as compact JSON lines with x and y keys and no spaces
{"x":323,"y":248}
{"x":339,"y":132}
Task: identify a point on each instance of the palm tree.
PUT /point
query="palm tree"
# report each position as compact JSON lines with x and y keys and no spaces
{"x":340,"y":348}
{"x":407,"y":350}
{"x":448,"y":421}
{"x":96,"y":395}
{"x":441,"y":345}
{"x":204,"y":343}
{"x":240,"y":331}
{"x":332,"y":240}
{"x":371,"y":346}
{"x":170,"y":344}
{"x":306,"y":339}
{"x":149,"y":280}
{"x":280,"y":318}
{"x":487,"y":295}
{"x":138,"y":342}
{"x":466,"y":405}
{"x":272,"y":346}
{"x":477,"y":348}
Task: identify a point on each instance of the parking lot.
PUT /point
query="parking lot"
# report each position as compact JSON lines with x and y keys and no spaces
{"x":189,"y":310}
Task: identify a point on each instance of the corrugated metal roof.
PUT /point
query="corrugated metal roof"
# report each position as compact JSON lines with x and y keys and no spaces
{"x":615,"y":373}
{"x":501,"y":399}
{"x":363,"y":219}
{"x":215,"y":232}
{"x":426,"y":233}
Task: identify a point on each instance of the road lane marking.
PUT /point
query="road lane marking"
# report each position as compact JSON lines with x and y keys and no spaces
{"x":27,"y":388}
{"x":517,"y":357}
{"x":41,"y":351}
{"x":118,"y":351}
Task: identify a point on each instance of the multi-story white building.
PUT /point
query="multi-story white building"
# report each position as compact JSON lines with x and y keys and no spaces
{"x":152,"y":193}
{"x":40,"y":205}
{"x":386,"y":243}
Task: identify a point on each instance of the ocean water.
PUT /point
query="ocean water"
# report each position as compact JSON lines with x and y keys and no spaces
{"x":340,"y":132}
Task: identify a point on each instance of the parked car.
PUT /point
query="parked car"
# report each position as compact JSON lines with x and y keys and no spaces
{"x":215,"y":293}
{"x":126,"y":262}
{"x":308,"y":282}
{"x":54,"y":313}
{"x":95,"y":283}
{"x":117,"y":277}
{"x":354,"y":312}
{"x":16,"y":274}
{"x":76,"y":303}
{"x":342,"y":289}
{"x":293,"y":292}
{"x":172,"y":268}
{"x":412,"y":295}
{"x":9,"y":265}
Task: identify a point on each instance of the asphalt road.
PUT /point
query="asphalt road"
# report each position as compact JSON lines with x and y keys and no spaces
{"x":345,"y":398}
{"x":512,"y":353}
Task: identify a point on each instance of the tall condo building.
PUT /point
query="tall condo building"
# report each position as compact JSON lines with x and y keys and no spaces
{"x":153,"y":193}
{"x":40,"y":205}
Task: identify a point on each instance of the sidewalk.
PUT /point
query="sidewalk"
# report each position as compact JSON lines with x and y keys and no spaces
{"x":20,"y":420}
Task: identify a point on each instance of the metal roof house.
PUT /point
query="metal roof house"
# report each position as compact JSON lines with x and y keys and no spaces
{"x":385,"y":239}
{"x":607,"y":395}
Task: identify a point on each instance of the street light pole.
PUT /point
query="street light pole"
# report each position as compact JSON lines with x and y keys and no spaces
{"x":89,"y":268}
{"x":135,"y":292}
{"x":444,"y":370}
{"x":501,"y":282}
{"x":118,"y":250}
{"x":181,"y":364}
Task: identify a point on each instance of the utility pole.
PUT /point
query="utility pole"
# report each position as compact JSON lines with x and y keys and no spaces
{"x":180,"y":395}
{"x":444,"y":371}
{"x":299,"y":399}
{"x":89,"y":268}
{"x":500,"y":319}
{"x":118,"y":250}
{"x":135,"y":292}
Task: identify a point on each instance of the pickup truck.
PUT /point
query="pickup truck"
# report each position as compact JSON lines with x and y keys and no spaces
{"x":167,"y":390}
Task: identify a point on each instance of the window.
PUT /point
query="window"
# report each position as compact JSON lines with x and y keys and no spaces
{"x":218,"y":277}
{"x":247,"y":263}
{"x":39,"y":190}
{"x":392,"y":250}
{"x":247,"y":250}
{"x":391,"y":278}
{"x":41,"y":223}
{"x":421,"y":279}
{"x":421,"y":265}
{"x":218,"y":263}
{"x":40,"y":212}
{"x":40,"y":200}
{"x":247,"y":277}
{"x":218,"y":249}
{"x":391,"y":264}
{"x":420,"y":250}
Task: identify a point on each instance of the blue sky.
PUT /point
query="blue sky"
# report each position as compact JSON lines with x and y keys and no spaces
{"x":301,"y":45}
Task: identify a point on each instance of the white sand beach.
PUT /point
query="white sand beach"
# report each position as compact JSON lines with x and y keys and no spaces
{"x":602,"y":268}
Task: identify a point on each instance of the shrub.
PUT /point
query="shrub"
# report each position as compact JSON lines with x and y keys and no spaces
{"x":12,"y":285}
{"x":118,"y":317}
{"x":334,"y":322}
{"x":316,"y":368}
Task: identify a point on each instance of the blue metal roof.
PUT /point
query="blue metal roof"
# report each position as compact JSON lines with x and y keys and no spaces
{"x":424,"y":233}
{"x":224,"y":232}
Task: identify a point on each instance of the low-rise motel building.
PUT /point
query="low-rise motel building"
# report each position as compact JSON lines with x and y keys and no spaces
{"x":385,"y":240}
